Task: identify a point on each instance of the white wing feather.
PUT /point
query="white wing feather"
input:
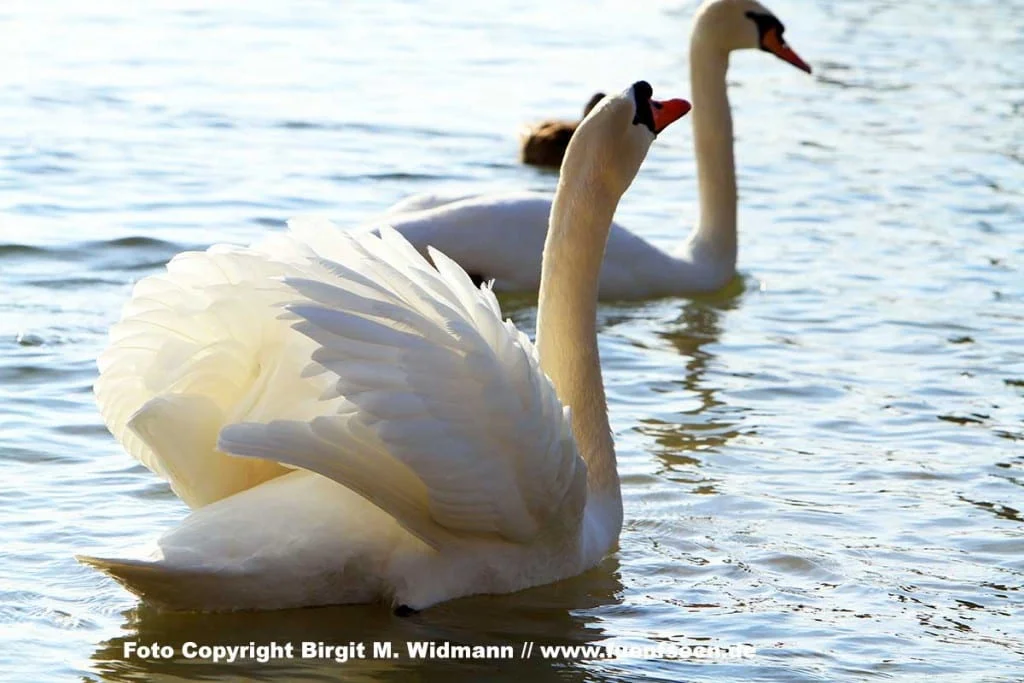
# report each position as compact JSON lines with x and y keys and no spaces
{"x":447,"y":419}
{"x":198,"y":347}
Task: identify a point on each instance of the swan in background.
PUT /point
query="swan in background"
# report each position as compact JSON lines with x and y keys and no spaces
{"x":402,"y":443}
{"x":544,"y":143}
{"x":500,"y":236}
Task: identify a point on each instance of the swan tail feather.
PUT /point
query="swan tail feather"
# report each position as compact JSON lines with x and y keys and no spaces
{"x":168,"y":587}
{"x":219,"y":589}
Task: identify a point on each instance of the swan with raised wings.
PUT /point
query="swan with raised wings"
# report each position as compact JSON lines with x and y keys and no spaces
{"x":402,"y":443}
{"x":500,"y":236}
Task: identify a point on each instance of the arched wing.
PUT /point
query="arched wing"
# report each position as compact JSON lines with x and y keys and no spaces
{"x":435,"y":385}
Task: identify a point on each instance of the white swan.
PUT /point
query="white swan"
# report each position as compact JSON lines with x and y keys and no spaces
{"x":436,"y":457}
{"x":500,"y":236}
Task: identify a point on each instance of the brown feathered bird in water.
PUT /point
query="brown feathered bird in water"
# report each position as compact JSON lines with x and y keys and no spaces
{"x":544,"y":144}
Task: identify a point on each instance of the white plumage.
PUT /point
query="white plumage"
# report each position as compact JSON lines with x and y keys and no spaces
{"x":351,"y":423}
{"x":446,"y":405}
{"x":397,"y":381}
{"x":193,"y":351}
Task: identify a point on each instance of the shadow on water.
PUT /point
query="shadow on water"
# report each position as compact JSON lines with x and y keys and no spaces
{"x":565,"y":613}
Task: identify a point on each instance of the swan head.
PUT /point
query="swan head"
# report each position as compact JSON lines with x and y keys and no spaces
{"x":612,"y":140}
{"x":744,"y":25}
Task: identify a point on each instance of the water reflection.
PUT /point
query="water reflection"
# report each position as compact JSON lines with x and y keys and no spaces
{"x":565,"y":613}
{"x":708,"y":426}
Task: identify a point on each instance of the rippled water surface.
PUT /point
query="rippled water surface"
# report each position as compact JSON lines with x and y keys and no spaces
{"x":826,"y":462}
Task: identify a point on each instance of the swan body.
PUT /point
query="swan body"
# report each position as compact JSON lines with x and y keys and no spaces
{"x":350,"y":424}
{"x":499,"y":236}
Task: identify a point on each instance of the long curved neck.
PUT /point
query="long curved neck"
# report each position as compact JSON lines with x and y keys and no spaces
{"x":713,"y":143}
{"x":581,"y":217}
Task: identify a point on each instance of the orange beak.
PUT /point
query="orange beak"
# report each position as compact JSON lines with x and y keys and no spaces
{"x":777,"y":46}
{"x":667,"y":111}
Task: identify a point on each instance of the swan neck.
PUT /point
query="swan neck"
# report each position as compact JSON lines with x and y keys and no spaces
{"x":713,"y":145}
{"x":581,"y":217}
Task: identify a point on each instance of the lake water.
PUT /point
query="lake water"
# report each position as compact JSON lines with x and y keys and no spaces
{"x":825,"y":462}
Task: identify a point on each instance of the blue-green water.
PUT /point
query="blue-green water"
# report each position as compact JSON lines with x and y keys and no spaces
{"x":826,"y":463}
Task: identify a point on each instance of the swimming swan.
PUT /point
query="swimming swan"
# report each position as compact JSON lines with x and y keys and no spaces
{"x":500,"y":236}
{"x":435,"y":453}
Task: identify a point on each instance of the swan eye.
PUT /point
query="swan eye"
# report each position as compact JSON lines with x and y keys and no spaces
{"x":642,"y":92}
{"x":766,"y":25}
